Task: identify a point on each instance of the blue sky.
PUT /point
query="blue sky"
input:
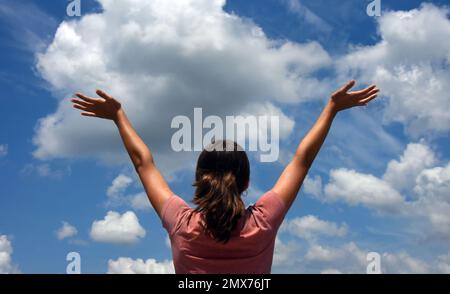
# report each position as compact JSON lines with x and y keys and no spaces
{"x":398,"y":143}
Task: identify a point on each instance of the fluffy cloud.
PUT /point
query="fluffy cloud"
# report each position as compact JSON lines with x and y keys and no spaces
{"x":66,"y":231}
{"x":163,"y":60}
{"x":431,"y":206}
{"x":403,"y":263}
{"x":401,"y":174}
{"x":118,"y":185}
{"x":331,"y":271}
{"x":349,"y":252}
{"x":411,"y":66}
{"x":348,"y":258}
{"x":434,"y":183}
{"x":310,"y":227}
{"x":117,"y":229}
{"x":427,"y":200}
{"x":6,"y":250}
{"x":3,"y":150}
{"x":285,"y":254}
{"x":356,"y":188}
{"x":117,"y":195}
{"x":126,"y":265}
{"x":313,"y":186}
{"x":140,"y":201}
{"x":444,"y":263}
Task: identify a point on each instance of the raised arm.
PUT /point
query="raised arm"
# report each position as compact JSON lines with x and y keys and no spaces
{"x":295,"y":172}
{"x":108,"y":107}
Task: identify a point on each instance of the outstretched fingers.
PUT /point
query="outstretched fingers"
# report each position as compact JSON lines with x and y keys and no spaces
{"x":347,"y":87}
{"x":87,"y":99}
{"x":365,"y":91}
{"x":81,"y":102}
{"x":103,"y":95}
{"x":365,"y":101}
{"x":80,"y":107}
{"x":368,"y":94}
{"x":88,"y":114}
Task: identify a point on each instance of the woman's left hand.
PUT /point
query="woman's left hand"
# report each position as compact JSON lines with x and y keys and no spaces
{"x":343,"y":99}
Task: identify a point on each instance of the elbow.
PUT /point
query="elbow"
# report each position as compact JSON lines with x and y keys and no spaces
{"x":143,"y":161}
{"x":306,"y":164}
{"x":304,"y":160}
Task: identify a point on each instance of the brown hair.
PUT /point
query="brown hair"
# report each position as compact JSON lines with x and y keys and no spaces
{"x":222,"y":174}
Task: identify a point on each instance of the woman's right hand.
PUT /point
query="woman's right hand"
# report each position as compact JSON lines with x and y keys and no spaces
{"x":343,"y":99}
{"x":106,"y":108}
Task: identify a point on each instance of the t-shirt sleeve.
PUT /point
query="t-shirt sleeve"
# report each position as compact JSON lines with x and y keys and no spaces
{"x":272,"y":209}
{"x":172,"y":212}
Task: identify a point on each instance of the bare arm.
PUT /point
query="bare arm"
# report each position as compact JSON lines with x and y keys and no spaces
{"x":292,"y":177}
{"x":109,"y":108}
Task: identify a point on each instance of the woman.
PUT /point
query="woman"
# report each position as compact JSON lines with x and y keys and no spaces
{"x":220,"y":235}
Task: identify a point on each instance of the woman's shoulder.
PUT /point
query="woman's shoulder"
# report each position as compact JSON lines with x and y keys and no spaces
{"x":174,"y":210}
{"x":269,"y":208}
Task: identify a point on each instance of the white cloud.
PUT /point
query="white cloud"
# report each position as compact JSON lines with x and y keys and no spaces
{"x":403,"y":263}
{"x":320,"y":258}
{"x":320,"y":253}
{"x":117,"y":229}
{"x":427,"y":205}
{"x":6,"y":250}
{"x":310,"y":227}
{"x":411,"y":66}
{"x":117,"y":195}
{"x":166,"y":59}
{"x":285,"y":254}
{"x":362,"y":189}
{"x":434,"y":183}
{"x":118,"y":185}
{"x":311,"y":256}
{"x":348,"y":258}
{"x":45,"y":170}
{"x":126,"y":265}
{"x":431,"y":206}
{"x":331,"y":271}
{"x":140,"y":201}
{"x":402,"y":174}
{"x":3,"y":150}
{"x":313,"y":186}
{"x":382,"y":194}
{"x":444,"y":263}
{"x":66,"y":231}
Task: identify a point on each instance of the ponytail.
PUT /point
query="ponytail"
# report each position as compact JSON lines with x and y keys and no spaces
{"x":217,"y":197}
{"x":222,"y":174}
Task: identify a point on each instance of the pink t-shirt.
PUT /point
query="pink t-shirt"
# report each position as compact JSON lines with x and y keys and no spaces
{"x":249,"y":250}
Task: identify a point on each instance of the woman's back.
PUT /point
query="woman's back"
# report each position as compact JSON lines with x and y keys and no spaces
{"x":249,"y":250}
